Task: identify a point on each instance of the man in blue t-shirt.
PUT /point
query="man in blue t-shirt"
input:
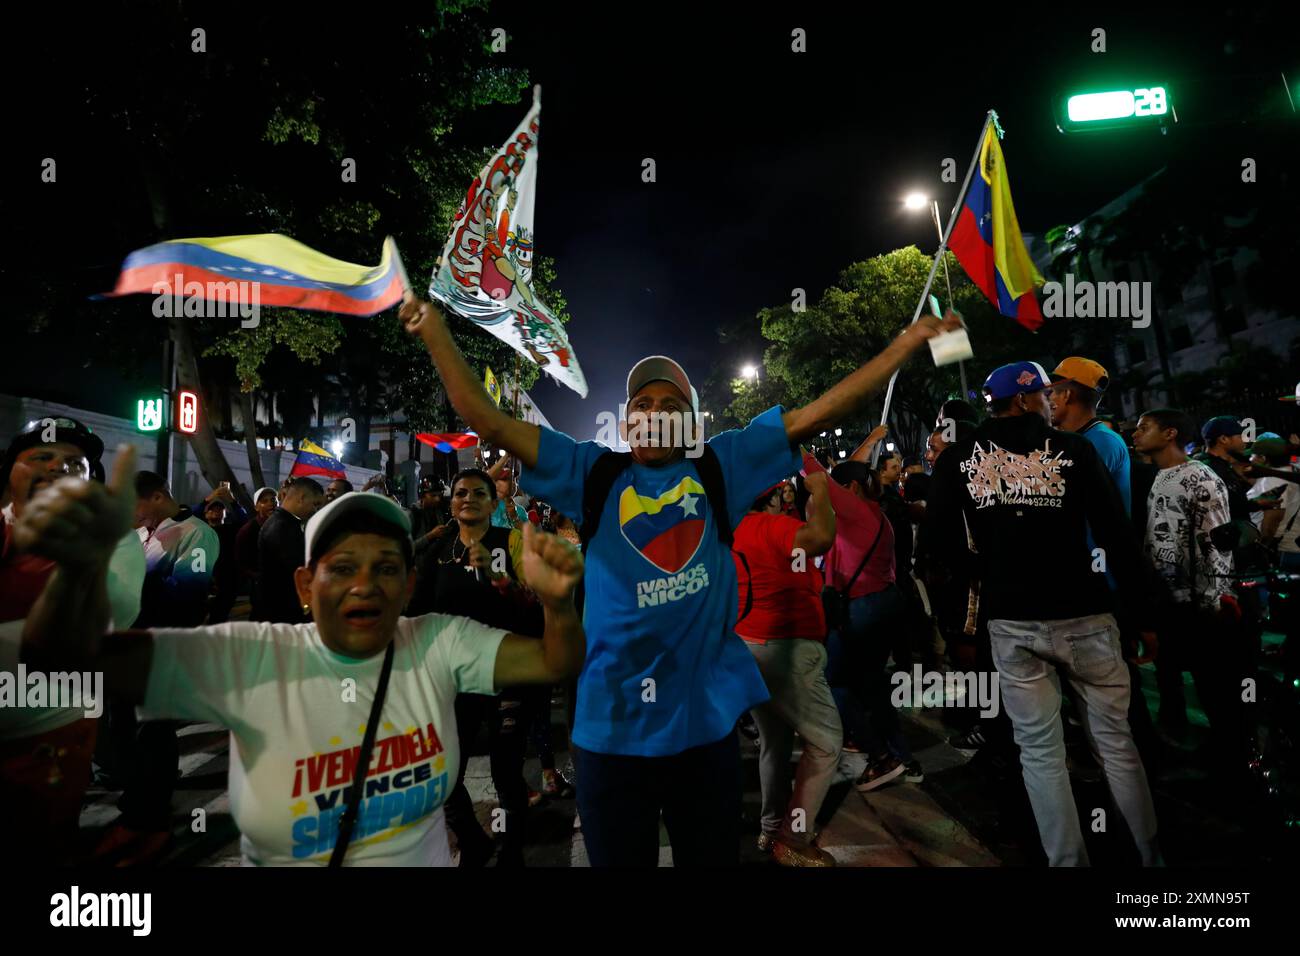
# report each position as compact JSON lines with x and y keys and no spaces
{"x":665,"y":677}
{"x":1077,"y":385}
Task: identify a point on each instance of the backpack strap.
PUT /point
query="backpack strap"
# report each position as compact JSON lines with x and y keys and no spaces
{"x":600,"y":481}
{"x":606,"y":469}
{"x":715,"y":489}
{"x":749,"y":587}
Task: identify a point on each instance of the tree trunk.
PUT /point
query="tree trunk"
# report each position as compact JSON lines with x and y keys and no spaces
{"x":248,"y":409}
{"x":204,"y":441}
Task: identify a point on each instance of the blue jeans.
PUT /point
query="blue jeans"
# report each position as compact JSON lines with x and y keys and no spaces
{"x":621,"y":797}
{"x":855,"y":669}
{"x":1087,"y":650}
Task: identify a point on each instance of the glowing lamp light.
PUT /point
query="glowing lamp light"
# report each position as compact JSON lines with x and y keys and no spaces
{"x":337,"y":448}
{"x":915,"y":201}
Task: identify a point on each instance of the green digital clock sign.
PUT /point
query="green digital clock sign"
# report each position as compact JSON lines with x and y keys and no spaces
{"x":1110,"y":109}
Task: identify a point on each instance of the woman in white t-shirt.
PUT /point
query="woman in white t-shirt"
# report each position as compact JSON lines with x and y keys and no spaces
{"x":297,"y":697}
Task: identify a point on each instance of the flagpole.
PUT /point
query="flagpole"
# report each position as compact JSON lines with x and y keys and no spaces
{"x":961,"y":365}
{"x":397,"y":262}
{"x":934,"y":268}
{"x":514,"y":402}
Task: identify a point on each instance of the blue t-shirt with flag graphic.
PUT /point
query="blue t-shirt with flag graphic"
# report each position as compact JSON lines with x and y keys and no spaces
{"x":665,"y":670}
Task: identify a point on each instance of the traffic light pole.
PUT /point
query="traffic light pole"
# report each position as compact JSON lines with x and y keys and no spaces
{"x":163,"y":456}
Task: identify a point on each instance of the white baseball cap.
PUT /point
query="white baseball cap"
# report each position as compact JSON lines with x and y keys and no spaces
{"x":349,"y":503}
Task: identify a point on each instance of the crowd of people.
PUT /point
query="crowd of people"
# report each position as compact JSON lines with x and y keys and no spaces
{"x":736,"y":580}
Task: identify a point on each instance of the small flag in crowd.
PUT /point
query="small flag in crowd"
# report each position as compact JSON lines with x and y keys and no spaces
{"x":987,"y":240}
{"x":315,"y":460}
{"x":286,"y":273}
{"x":447,"y":442}
{"x":493,"y":389}
{"x":486,"y":270}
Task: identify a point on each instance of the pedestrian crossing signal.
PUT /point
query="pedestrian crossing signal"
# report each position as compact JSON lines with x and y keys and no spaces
{"x":149,"y":414}
{"x":187,"y":413}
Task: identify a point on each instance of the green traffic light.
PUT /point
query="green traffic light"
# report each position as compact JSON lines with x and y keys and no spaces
{"x":149,"y":414}
{"x":1117,"y":104}
{"x":1089,"y":107}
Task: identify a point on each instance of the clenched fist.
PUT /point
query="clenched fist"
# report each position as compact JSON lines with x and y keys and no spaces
{"x":552,"y":566}
{"x":414,"y":311}
{"x":78,"y":523}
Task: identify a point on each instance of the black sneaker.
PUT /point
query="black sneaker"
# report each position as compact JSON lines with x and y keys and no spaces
{"x":879,"y":773}
{"x":969,"y":742}
{"x":912,"y":772}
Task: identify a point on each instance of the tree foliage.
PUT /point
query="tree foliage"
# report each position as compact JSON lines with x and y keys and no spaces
{"x":250,"y":136}
{"x":806,"y":352}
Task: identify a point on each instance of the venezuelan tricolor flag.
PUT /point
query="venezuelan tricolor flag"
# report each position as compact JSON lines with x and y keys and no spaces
{"x":666,"y":529}
{"x":447,"y":442}
{"x":287,"y":272}
{"x":315,"y":460}
{"x":987,"y":240}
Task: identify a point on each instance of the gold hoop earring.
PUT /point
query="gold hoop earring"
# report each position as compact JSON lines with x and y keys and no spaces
{"x":306,"y":610}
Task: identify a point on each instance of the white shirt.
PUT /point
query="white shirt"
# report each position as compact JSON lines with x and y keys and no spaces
{"x":1288,"y":529}
{"x":297,"y":712}
{"x":185,"y":551}
{"x":1186,"y":503}
{"x":1264,"y":486}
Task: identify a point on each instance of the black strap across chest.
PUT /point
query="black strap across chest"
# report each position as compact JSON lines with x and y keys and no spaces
{"x":349,"y":819}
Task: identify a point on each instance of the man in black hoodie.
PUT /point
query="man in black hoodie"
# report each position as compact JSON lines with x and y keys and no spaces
{"x":1028,"y":494}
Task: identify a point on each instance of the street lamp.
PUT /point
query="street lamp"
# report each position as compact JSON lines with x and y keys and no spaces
{"x":750,"y":372}
{"x":915,"y":201}
{"x":337,"y":448}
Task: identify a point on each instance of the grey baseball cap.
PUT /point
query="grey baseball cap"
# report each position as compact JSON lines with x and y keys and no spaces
{"x":660,"y":368}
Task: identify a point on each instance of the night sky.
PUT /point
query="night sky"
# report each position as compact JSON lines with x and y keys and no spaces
{"x":776,"y":169}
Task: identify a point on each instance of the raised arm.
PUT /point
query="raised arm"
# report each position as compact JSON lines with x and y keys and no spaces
{"x":498,"y":467}
{"x":553,"y":568}
{"x":818,"y":533}
{"x":845,"y":397}
{"x":78,"y":524}
{"x":863,"y":452}
{"x":466,"y":392}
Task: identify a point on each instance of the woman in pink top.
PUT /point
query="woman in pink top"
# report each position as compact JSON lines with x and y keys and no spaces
{"x":861,"y":565}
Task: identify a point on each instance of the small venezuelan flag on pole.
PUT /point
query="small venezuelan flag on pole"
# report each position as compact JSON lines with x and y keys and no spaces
{"x":286,"y":273}
{"x":314,"y":460}
{"x":987,"y":241}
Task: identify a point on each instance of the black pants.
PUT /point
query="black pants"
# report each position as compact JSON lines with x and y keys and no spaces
{"x":697,"y":792}
{"x":144,"y":757}
{"x":1201,"y":642}
{"x":507,"y":719}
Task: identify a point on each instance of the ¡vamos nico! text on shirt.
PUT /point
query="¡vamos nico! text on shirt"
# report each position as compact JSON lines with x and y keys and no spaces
{"x":659,"y":591}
